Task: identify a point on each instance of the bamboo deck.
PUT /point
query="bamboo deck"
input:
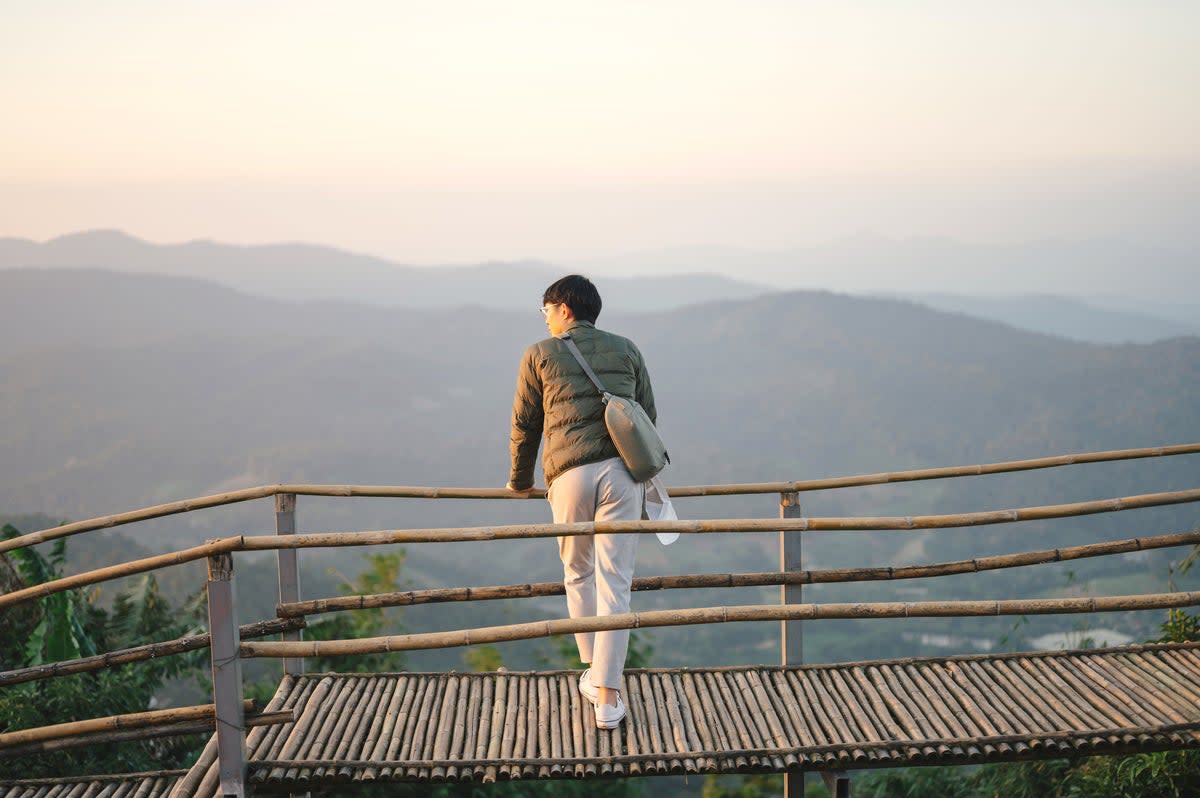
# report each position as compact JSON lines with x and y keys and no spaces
{"x":445,"y":727}
{"x":131,"y":785}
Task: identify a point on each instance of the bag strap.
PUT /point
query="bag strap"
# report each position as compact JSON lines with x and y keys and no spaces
{"x":566,"y":339}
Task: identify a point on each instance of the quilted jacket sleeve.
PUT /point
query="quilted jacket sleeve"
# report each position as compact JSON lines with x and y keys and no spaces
{"x":527,"y":418}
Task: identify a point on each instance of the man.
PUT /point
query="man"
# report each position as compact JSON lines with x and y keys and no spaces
{"x":586,"y":478}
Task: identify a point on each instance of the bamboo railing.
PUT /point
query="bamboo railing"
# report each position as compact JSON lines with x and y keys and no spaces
{"x":385,"y":491}
{"x":705,"y":615}
{"x":716,"y":526}
{"x":405,"y":598}
{"x":82,"y":739}
{"x":113,"y":723}
{"x":125,"y":656}
{"x":528,"y":531}
{"x":236,"y":641}
{"x":140,"y":566}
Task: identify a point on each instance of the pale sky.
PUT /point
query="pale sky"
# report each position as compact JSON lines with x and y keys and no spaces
{"x":451,"y":131}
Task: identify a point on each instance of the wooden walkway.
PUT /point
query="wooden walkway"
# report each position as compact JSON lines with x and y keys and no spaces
{"x":421,"y":727}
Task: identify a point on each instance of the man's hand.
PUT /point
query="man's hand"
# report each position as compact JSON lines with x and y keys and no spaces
{"x":522,"y":493}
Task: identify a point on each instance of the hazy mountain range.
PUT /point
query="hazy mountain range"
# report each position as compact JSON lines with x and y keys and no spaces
{"x":128,"y":389}
{"x":1159,"y":277}
{"x":655,"y":280}
{"x":306,"y":272}
{"x":123,"y":390}
{"x":1070,"y":318}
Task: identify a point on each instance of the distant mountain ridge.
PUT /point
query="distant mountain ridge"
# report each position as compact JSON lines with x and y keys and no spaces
{"x":1062,"y":316}
{"x":649,"y":281}
{"x":869,"y":263}
{"x":307,"y":272}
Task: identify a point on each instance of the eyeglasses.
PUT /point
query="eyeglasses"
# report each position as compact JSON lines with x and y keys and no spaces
{"x":546,"y":309}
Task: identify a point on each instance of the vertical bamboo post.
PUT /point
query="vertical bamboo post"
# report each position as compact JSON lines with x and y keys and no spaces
{"x":289,"y":570}
{"x":226,"y":675}
{"x":790,"y":640}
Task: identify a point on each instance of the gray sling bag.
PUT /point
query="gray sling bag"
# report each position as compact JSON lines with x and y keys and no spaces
{"x":632,"y":431}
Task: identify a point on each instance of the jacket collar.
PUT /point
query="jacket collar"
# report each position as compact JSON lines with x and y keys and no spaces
{"x":578,"y":324}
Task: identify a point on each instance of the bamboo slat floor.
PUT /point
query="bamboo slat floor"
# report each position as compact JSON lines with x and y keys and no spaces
{"x":437,"y":727}
{"x":129,"y":785}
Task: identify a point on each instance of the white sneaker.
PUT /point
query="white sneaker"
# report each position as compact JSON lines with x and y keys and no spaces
{"x":609,"y":716}
{"x":586,"y":687}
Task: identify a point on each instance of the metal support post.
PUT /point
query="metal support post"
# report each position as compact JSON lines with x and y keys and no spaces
{"x":791,"y":642}
{"x":289,"y":570}
{"x":227,"y":676}
{"x":789,"y":631}
{"x":837,"y":782}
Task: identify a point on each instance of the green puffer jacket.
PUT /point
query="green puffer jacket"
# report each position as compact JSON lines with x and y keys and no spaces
{"x":556,"y":398}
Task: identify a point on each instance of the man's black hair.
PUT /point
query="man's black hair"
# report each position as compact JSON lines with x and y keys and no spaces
{"x":576,"y":292}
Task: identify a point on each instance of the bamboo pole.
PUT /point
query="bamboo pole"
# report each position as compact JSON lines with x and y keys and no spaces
{"x":1170,"y":692}
{"x":758,"y":579}
{"x":721,"y":719}
{"x":133,"y":516}
{"x":796,"y":719}
{"x":860,"y":713}
{"x":103,"y":777}
{"x":541,"y":701}
{"x":886,"y":477}
{"x":144,"y":733}
{"x":768,"y":711}
{"x":527,"y":726}
{"x":124,"y":656}
{"x":840,"y":725}
{"x":885,"y":523}
{"x":192,"y":554}
{"x":690,"y":727}
{"x":495,"y":696}
{"x":265,"y":491}
{"x":189,"y":785}
{"x":479,"y":720}
{"x":643,"y":694}
{"x":704,"y":615}
{"x":133,"y":720}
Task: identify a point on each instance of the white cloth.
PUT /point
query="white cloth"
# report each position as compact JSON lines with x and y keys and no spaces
{"x":598,"y":569}
{"x":659,"y":508}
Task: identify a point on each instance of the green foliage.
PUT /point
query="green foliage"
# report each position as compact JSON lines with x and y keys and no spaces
{"x":69,"y":625}
{"x":381,"y":576}
{"x":1180,"y":626}
{"x":1162,"y":774}
{"x":483,"y":658}
{"x":640,"y":650}
{"x":758,"y":785}
{"x":58,"y":633}
{"x":564,"y":653}
{"x":1035,"y":779}
{"x":915,"y":783}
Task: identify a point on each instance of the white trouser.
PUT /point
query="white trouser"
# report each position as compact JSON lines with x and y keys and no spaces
{"x":598,"y":569}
